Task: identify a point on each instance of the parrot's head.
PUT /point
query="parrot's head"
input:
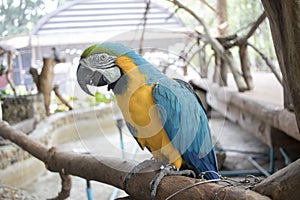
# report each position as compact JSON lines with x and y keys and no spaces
{"x":97,"y":65}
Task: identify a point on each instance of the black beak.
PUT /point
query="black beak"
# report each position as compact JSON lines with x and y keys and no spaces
{"x":86,"y":76}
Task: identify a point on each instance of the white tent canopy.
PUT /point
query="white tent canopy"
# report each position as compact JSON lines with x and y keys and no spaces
{"x":89,"y":21}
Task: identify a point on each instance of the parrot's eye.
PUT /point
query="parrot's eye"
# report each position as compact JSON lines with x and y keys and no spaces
{"x":103,"y":57}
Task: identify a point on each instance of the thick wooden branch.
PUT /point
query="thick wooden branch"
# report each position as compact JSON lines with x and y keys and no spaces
{"x":284,"y":184}
{"x":113,"y":172}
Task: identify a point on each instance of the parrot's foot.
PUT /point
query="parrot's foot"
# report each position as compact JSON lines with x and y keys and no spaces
{"x":168,"y":170}
{"x":147,"y":164}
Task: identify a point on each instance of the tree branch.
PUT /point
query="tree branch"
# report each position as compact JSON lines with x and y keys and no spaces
{"x":61,"y":98}
{"x":9,"y":72}
{"x":217,"y":47}
{"x":208,"y":5}
{"x":260,"y":19}
{"x":113,"y":172}
{"x":66,"y":185}
{"x":284,"y":184}
{"x":145,"y":18}
{"x":35,"y":75}
{"x":269,"y":62}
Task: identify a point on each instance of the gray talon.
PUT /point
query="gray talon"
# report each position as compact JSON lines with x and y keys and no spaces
{"x":168,"y":170}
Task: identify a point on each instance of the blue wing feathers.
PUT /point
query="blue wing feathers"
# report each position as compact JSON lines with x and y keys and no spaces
{"x":186,"y":124}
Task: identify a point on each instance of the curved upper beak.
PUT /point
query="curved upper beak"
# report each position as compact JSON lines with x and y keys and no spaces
{"x":86,"y":76}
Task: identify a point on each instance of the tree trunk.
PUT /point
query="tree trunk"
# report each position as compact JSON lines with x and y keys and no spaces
{"x":287,"y":100}
{"x":10,"y":71}
{"x":285,"y":28}
{"x":245,"y":63}
{"x":222,"y":17}
{"x":222,"y":21}
{"x":202,"y":59}
{"x":44,"y":81}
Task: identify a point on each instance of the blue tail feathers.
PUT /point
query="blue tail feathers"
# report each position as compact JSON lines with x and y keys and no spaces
{"x":204,"y":164}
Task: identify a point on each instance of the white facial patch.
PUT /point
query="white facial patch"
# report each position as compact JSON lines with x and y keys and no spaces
{"x":103,"y":63}
{"x":111,"y":74}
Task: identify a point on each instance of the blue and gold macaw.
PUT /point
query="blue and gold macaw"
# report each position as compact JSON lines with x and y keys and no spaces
{"x":162,"y":114}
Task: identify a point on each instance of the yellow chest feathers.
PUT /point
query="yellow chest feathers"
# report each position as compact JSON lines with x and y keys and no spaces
{"x":139,"y":110}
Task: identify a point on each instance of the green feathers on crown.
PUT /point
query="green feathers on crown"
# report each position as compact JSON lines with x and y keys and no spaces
{"x":115,"y":49}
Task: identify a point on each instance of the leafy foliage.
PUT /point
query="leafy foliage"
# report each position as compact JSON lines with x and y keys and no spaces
{"x":100,"y":98}
{"x":20,"y":16}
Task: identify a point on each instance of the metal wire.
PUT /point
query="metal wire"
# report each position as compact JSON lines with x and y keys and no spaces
{"x":248,"y":182}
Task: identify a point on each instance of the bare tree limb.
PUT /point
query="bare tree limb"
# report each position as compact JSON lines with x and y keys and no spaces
{"x":66,"y":185}
{"x":245,"y":64}
{"x":208,"y":5}
{"x":35,"y":75}
{"x":268,"y":62}
{"x":61,"y":98}
{"x":260,"y":19}
{"x":9,"y":72}
{"x":216,"y":45}
{"x":113,"y":172}
{"x":243,"y":40}
{"x":145,"y":18}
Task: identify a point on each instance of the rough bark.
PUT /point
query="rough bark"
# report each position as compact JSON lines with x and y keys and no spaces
{"x":284,"y":184}
{"x":245,"y":64}
{"x":113,"y":171}
{"x":285,"y":28}
{"x":44,"y":80}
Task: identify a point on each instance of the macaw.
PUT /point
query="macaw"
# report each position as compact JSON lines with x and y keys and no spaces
{"x":164,"y":115}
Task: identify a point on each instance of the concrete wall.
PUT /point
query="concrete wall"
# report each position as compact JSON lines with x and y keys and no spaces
{"x":23,"y":107}
{"x":18,"y":168}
